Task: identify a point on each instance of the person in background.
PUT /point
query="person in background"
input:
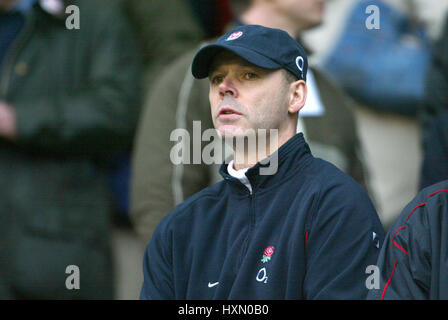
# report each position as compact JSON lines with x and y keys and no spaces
{"x":177,"y":99}
{"x":165,"y":30}
{"x":69,"y":98}
{"x":379,"y":40}
{"x":413,"y":262}
{"x":434,"y":115}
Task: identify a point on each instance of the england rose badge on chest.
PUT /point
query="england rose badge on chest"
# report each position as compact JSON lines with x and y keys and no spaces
{"x":268,"y":252}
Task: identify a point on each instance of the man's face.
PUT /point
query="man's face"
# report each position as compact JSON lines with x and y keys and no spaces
{"x":308,"y":13}
{"x":244,"y":96}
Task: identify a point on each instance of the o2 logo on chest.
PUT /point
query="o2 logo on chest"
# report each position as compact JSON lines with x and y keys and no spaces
{"x":262,"y":276}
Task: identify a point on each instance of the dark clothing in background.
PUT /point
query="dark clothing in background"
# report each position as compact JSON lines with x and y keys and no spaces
{"x":434,"y":115}
{"x":436,"y":88}
{"x":165,"y":30}
{"x":413,"y":261}
{"x":11,"y":24}
{"x":213,"y":15}
{"x":435,"y":158}
{"x":76,"y":97}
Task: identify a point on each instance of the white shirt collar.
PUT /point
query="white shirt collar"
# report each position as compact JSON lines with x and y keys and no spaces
{"x":240,"y":175}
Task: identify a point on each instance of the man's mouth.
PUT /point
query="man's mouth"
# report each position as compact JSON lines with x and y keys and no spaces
{"x":228,"y":112}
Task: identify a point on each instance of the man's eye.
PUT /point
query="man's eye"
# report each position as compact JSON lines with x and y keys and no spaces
{"x":216,"y":79}
{"x":250,"y":75}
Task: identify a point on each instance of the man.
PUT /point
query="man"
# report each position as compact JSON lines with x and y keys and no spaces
{"x":307,"y":231}
{"x":69,"y":99}
{"x":178,"y":100}
{"x":413,"y":262}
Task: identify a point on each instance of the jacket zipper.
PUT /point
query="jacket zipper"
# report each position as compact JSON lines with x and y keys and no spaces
{"x":250,"y":231}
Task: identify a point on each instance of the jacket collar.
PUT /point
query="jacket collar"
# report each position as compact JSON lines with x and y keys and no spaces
{"x":290,"y":157}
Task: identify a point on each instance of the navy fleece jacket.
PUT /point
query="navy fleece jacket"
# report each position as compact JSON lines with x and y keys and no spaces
{"x":307,"y":232}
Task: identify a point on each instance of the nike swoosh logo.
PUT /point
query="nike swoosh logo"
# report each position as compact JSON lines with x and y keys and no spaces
{"x":211,"y":285}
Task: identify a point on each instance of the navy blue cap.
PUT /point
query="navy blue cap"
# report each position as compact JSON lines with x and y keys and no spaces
{"x":264,"y":47}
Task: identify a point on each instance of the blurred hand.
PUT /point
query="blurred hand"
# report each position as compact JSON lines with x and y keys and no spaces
{"x":8,"y":128}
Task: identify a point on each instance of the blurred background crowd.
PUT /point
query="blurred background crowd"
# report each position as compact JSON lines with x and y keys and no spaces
{"x":86,"y":115}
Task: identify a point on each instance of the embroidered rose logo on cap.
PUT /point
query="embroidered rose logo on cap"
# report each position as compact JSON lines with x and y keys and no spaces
{"x":234,"y":35}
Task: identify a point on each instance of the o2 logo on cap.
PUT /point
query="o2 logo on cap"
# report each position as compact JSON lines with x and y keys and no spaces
{"x":234,"y":35}
{"x":300,"y":62}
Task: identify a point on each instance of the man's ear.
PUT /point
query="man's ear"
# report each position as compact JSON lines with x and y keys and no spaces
{"x":297,"y":96}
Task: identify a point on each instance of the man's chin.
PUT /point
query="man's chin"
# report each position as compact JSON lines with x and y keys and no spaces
{"x":232,"y":132}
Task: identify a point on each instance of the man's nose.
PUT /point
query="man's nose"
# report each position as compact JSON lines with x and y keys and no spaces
{"x":227,"y":87}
